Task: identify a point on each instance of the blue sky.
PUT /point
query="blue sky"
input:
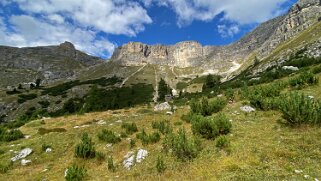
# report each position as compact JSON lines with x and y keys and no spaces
{"x":97,"y":27}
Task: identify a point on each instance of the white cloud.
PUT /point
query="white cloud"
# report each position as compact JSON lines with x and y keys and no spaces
{"x":79,"y":21}
{"x":237,"y":11}
{"x":228,"y":31}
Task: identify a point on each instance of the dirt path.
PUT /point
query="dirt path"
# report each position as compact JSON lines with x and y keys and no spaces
{"x":126,"y":79}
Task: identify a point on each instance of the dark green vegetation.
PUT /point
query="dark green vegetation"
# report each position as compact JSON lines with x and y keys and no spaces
{"x":206,"y":107}
{"x":10,"y":135}
{"x":86,"y":148}
{"x":62,"y":89}
{"x":148,"y":138}
{"x":25,"y":97}
{"x":163,"y":90}
{"x":130,"y":127}
{"x":183,"y":148}
{"x":108,"y":136}
{"x":75,"y":173}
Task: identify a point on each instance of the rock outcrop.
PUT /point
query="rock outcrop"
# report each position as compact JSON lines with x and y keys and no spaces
{"x":222,"y":59}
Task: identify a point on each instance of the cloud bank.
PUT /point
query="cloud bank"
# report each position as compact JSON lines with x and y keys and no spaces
{"x":88,"y":23}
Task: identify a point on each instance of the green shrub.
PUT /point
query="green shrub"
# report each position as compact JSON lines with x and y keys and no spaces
{"x":148,"y":138}
{"x":25,"y":97}
{"x":10,"y":135}
{"x":75,"y":173}
{"x":162,"y":126}
{"x":130,"y":127}
{"x":108,"y":136}
{"x":100,"y":156}
{"x":206,"y":108}
{"x":132,"y":143}
{"x":178,"y":123}
{"x":316,"y":70}
{"x":160,"y":165}
{"x":183,"y":148}
{"x":298,"y":109}
{"x":229,"y":94}
{"x":5,"y":167}
{"x":222,"y":142}
{"x":44,"y":104}
{"x":86,"y":148}
{"x":211,"y":127}
{"x":190,"y":117}
{"x":110,"y":164}
{"x":305,"y":78}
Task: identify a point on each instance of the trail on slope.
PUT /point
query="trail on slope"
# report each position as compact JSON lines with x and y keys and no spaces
{"x":126,"y":79}
{"x":156,"y":87}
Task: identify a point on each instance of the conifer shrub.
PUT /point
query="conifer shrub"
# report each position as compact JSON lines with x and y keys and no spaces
{"x":10,"y":135}
{"x":304,"y":79}
{"x":130,"y":127}
{"x":110,"y":164}
{"x":148,"y":138}
{"x":299,"y":109}
{"x":206,"y":108}
{"x":163,"y":127}
{"x":75,"y":173}
{"x":4,"y":168}
{"x":211,"y":127}
{"x":160,"y":165}
{"x":108,"y":136}
{"x":182,"y":147}
{"x":86,"y":148}
{"x":100,"y":156}
{"x":222,"y":142}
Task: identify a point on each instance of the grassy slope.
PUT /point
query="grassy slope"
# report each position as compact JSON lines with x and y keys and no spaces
{"x":261,"y":149}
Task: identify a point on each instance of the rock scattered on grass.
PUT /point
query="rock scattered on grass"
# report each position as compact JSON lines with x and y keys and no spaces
{"x":22,"y":154}
{"x":25,"y":162}
{"x":247,"y":109}
{"x":101,"y":122}
{"x":298,"y":171}
{"x":292,"y":68}
{"x":162,"y":107}
{"x":141,"y":155}
{"x":119,"y":121}
{"x":130,"y":158}
{"x":48,"y":150}
{"x":169,"y":113}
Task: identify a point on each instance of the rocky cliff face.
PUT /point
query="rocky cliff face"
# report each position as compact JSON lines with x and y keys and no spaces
{"x":225,"y":59}
{"x":48,"y":62}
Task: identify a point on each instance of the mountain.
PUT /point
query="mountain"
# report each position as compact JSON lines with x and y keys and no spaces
{"x":183,"y":66}
{"x":49,"y":63}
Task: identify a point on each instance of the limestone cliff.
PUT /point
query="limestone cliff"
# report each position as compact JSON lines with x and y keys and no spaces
{"x":225,"y":59}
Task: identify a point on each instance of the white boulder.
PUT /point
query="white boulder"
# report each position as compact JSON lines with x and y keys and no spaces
{"x":292,"y":68}
{"x":48,"y":150}
{"x":25,"y":162}
{"x":129,"y":160}
{"x":162,"y":107}
{"x":22,"y":154}
{"x":247,"y":109}
{"x":141,"y":154}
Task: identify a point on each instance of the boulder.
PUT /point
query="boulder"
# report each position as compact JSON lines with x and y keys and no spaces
{"x":48,"y":150}
{"x":129,"y":160}
{"x":22,"y":154}
{"x":169,"y":113}
{"x":25,"y":162}
{"x":292,"y":68}
{"x":162,"y":107}
{"x":247,"y":109}
{"x":141,"y":154}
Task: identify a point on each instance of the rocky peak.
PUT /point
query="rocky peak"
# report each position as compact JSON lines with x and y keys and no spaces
{"x":67,"y":45}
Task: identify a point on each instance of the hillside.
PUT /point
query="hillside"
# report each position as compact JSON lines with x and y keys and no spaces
{"x":250,"y":110}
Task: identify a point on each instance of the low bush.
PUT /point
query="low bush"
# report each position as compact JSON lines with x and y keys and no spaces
{"x":75,"y":173}
{"x":10,"y":135}
{"x":206,"y":108}
{"x":148,"y":138}
{"x":211,"y":127}
{"x":130,"y":127}
{"x":100,"y":156}
{"x":86,"y":148}
{"x":299,"y":109}
{"x":44,"y":104}
{"x":183,"y":148}
{"x":132,"y":143}
{"x":5,"y":167}
{"x":108,"y":136}
{"x":162,"y":126}
{"x":25,"y":97}
{"x":222,"y":142}
{"x":305,"y":78}
{"x":110,"y":164}
{"x":160,"y":165}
